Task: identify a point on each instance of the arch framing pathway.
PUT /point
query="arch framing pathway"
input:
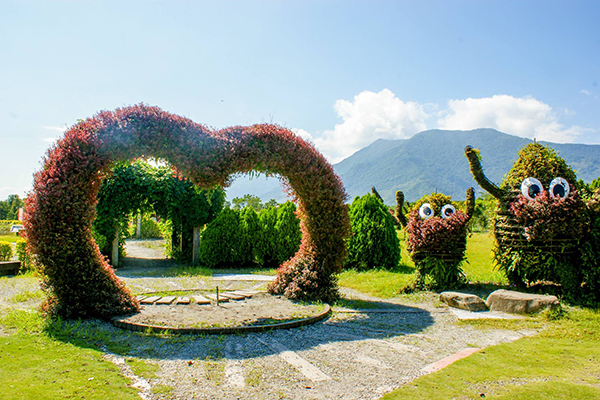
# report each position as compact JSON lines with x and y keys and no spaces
{"x":60,"y":210}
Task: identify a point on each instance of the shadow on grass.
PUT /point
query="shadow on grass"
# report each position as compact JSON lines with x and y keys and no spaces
{"x":358,"y":320}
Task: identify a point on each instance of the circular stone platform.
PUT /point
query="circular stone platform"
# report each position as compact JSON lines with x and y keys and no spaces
{"x":196,"y":312}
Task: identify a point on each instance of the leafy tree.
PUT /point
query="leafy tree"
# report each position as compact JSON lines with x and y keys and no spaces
{"x":9,"y":208}
{"x":221,"y":241}
{"x":248,"y":200}
{"x":373,"y":243}
{"x":288,"y":231}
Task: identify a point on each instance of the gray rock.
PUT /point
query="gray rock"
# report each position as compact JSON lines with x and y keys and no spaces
{"x":520,"y":303}
{"x":463,"y":301}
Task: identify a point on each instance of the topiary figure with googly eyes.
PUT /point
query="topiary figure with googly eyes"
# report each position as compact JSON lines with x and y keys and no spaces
{"x":437,"y":238}
{"x":541,"y":221}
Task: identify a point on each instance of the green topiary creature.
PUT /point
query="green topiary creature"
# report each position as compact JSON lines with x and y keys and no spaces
{"x":437,"y":238}
{"x":541,"y":221}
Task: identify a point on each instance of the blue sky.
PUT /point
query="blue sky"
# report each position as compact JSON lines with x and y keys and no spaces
{"x":341,"y":73}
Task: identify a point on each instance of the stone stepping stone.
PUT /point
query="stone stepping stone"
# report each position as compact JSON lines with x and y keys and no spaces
{"x":166,"y":300}
{"x":246,"y":293}
{"x":141,"y":297}
{"x":199,"y":299}
{"x":213,"y":297}
{"x":150,"y":300}
{"x":182,"y":300}
{"x":233,"y":296}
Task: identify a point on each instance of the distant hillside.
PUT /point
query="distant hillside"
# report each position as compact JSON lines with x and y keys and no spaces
{"x":434,"y":160}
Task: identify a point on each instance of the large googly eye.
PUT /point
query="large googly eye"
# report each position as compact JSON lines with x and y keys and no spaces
{"x":425,"y":211}
{"x":559,"y":188}
{"x":530,"y":188}
{"x":448,"y":210}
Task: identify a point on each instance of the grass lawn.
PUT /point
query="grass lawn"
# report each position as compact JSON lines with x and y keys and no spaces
{"x":35,"y":365}
{"x":47,"y":361}
{"x":13,"y":238}
{"x":387,"y":283}
{"x":563,"y":361}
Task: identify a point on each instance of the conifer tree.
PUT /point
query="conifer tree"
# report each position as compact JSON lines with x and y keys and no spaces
{"x":373,"y":242}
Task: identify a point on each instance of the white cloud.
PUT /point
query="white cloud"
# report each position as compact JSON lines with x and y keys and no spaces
{"x":55,"y":129}
{"x":303,"y":134}
{"x":370,"y":116}
{"x":525,"y":117}
{"x":589,"y":93}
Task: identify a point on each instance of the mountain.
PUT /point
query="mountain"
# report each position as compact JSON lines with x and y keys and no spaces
{"x":434,"y":160}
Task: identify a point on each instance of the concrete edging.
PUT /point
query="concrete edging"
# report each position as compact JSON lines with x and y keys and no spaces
{"x":132,"y":326}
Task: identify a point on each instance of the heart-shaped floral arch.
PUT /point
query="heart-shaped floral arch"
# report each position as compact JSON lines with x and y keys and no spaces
{"x":61,"y":208}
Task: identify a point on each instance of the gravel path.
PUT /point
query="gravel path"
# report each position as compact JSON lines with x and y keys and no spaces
{"x":352,"y":355}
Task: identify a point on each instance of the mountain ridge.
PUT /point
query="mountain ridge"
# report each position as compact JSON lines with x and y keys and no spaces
{"x":432,"y":160}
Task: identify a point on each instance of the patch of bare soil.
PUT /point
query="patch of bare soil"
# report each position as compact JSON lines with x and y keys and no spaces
{"x":260,"y":309}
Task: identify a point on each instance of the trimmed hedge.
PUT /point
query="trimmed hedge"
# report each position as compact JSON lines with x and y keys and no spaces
{"x":61,"y":208}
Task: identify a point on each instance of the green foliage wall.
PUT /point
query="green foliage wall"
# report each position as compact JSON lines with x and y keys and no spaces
{"x":251,"y":234}
{"x":220,"y":245}
{"x":265,"y":239}
{"x":373,"y":243}
{"x":288,"y":231}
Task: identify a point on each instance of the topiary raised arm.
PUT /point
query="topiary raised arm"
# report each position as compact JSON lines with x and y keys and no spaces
{"x":470,"y":203}
{"x":477,"y":171}
{"x":376,"y":194}
{"x":399,"y":204}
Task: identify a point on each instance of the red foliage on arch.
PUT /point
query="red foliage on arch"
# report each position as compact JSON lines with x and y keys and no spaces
{"x":61,"y":208}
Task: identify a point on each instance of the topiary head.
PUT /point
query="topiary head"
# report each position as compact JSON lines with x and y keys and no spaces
{"x":434,"y":205}
{"x":544,"y":165}
{"x":436,"y":225}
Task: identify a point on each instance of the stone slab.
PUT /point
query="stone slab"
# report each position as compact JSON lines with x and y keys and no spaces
{"x":513,"y":302}
{"x":464,"y":301}
{"x":243,"y":277}
{"x":182,"y":300}
{"x":150,"y":300}
{"x":233,"y":296}
{"x":166,"y":300}
{"x":199,"y":299}
{"x":246,"y":293}
{"x":213,"y":297}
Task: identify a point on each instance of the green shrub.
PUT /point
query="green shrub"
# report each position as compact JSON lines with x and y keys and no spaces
{"x":267,"y":248}
{"x":220,"y":241}
{"x":6,"y":252}
{"x":374,"y":243}
{"x":250,"y":235}
{"x":24,"y":256}
{"x":150,"y":227}
{"x":288,"y":232}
